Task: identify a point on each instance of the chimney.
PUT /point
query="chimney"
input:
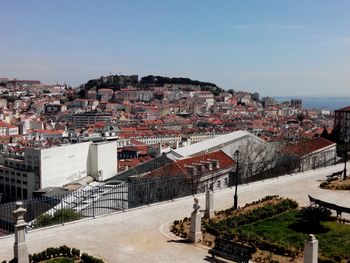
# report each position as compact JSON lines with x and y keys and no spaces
{"x":199,"y":166}
{"x":216,"y":163}
{"x":208,"y":165}
{"x":191,"y":169}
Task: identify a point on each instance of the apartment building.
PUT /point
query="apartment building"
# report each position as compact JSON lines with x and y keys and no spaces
{"x":87,"y":118}
{"x":22,"y":173}
{"x":342,"y":122}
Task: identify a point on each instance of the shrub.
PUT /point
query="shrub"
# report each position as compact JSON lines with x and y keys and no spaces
{"x":85,"y":258}
{"x":314,"y":214}
{"x":75,"y":253}
{"x":50,"y":252}
{"x":65,"y":251}
{"x":43,"y":220}
{"x":35,"y":258}
{"x":324,"y":185}
{"x":268,"y":198}
{"x":62,"y":215}
{"x":56,"y":251}
{"x":65,"y":215}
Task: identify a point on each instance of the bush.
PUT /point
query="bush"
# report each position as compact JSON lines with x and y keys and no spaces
{"x":51,"y":252}
{"x":62,"y":215}
{"x":314,"y":214}
{"x":65,"y":215}
{"x":85,"y":258}
{"x":35,"y":258}
{"x":65,"y":251}
{"x":268,"y":198}
{"x":323,"y":185}
{"x":42,"y":220}
{"x":75,"y":253}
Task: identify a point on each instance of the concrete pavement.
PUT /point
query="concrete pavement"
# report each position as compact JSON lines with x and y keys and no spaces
{"x":142,"y":235}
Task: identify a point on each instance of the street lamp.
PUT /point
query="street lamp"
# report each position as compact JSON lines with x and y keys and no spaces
{"x":235,"y":198}
{"x":346,"y":140}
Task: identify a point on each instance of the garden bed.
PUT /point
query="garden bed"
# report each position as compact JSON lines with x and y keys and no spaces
{"x":62,"y":254}
{"x":337,"y":184}
{"x":275,"y":228}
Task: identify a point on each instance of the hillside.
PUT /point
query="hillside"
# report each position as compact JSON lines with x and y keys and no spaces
{"x":116,"y":82}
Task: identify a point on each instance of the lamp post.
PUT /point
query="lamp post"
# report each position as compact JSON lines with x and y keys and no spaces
{"x":235,"y":198}
{"x":346,"y":140}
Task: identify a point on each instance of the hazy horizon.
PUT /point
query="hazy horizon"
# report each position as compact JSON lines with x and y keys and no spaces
{"x":276,"y":48}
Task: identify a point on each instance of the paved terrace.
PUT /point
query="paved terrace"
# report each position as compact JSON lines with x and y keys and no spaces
{"x":142,"y":235}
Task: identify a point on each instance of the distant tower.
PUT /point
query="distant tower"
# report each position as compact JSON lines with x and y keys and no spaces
{"x":296,"y":103}
{"x":256,"y":96}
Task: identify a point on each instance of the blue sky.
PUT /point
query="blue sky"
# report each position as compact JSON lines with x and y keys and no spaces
{"x":281,"y":47}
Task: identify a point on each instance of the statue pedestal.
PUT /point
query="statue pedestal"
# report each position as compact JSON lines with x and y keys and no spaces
{"x":196,"y":223}
{"x":311,"y":250}
{"x":20,"y":249}
{"x":209,"y":204}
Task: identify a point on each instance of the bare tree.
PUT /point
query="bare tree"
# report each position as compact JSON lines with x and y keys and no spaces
{"x":259,"y":161}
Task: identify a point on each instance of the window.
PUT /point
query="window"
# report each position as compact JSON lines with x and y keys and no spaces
{"x":219,"y":184}
{"x":226,"y":181}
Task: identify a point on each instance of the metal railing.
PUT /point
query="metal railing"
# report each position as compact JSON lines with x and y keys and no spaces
{"x":94,"y":201}
{"x":90,"y":202}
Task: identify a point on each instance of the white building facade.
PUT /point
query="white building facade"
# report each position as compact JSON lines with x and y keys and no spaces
{"x":55,"y":167}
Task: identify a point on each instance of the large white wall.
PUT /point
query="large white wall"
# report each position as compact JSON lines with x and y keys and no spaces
{"x":103,"y":157}
{"x":64,"y":164}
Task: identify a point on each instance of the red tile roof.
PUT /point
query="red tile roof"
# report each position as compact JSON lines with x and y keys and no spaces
{"x":178,"y":168}
{"x":309,"y":146}
{"x":344,"y":109}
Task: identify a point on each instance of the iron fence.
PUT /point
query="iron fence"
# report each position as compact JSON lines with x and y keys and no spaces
{"x":94,"y":201}
{"x":118,"y":196}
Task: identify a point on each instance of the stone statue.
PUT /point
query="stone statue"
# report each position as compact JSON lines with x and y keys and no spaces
{"x":196,"y":205}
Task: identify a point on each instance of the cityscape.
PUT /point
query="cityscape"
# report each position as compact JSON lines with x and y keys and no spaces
{"x":169,"y":162}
